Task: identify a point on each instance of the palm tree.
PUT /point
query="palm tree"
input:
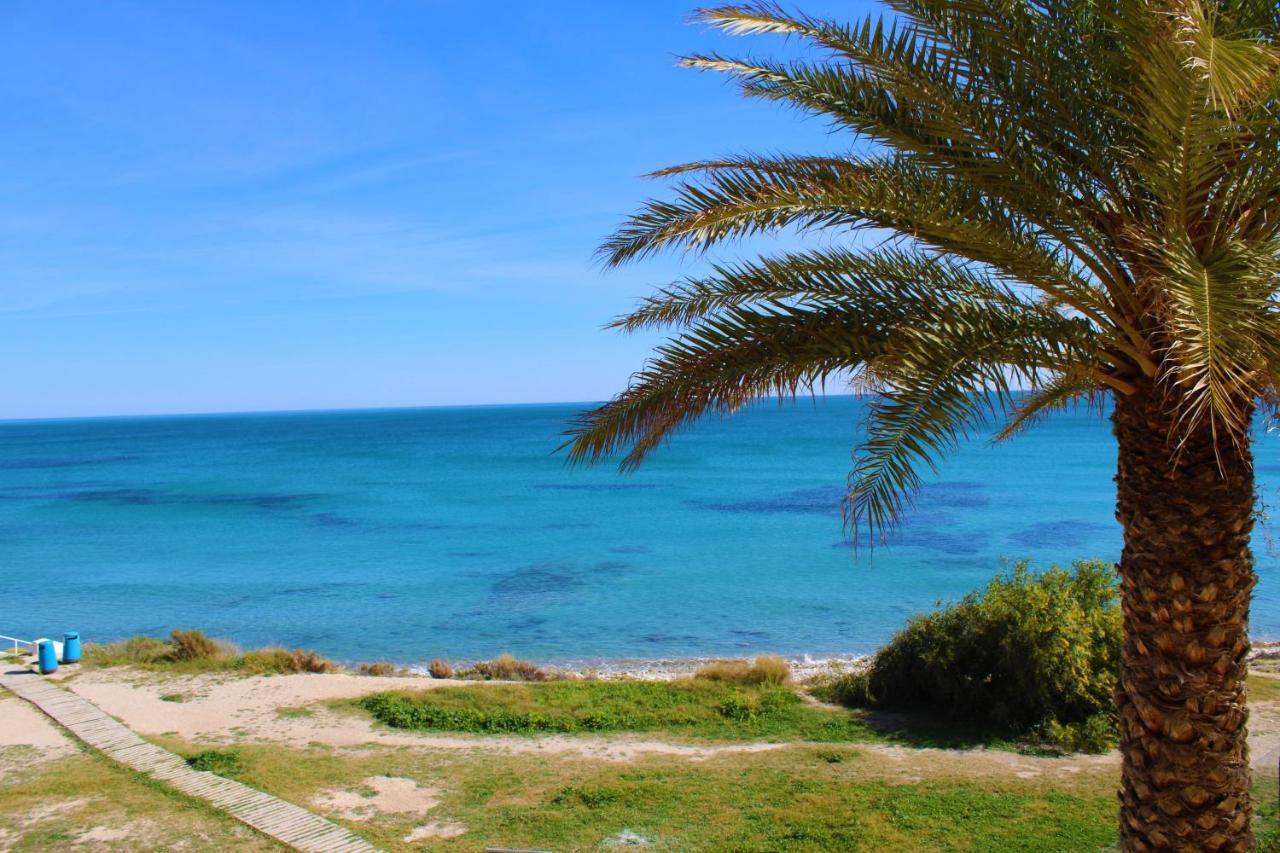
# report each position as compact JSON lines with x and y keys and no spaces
{"x":1070,"y":199}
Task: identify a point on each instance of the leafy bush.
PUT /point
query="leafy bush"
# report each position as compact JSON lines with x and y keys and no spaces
{"x":440,"y":669}
{"x":1031,"y":653}
{"x":506,"y":667}
{"x":769,"y":669}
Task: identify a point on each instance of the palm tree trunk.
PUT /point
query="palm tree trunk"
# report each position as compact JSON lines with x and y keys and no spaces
{"x":1186,"y":573}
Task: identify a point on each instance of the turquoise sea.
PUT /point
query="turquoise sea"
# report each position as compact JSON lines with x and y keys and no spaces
{"x":458,"y":532}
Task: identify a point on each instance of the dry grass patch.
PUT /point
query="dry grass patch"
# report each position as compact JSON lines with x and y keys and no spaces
{"x":767,"y":669}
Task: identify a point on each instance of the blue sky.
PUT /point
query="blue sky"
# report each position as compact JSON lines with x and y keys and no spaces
{"x":228,"y":206}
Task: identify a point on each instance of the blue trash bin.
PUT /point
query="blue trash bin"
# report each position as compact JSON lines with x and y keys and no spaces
{"x":46,"y":658}
{"x":71,"y":647}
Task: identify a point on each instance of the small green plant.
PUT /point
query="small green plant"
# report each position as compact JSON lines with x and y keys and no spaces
{"x":174,"y":697}
{"x":295,"y":712}
{"x":1031,"y":654}
{"x":225,"y":762}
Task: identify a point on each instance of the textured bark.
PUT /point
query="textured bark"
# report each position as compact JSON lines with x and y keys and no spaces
{"x":1186,"y":574}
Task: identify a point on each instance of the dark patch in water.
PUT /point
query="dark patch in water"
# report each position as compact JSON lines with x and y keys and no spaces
{"x":534,"y":585}
{"x":669,"y":638}
{"x":154,"y":497}
{"x":332,"y":519}
{"x":938,"y":539}
{"x":594,"y":487}
{"x":956,"y":494}
{"x":611,"y":566}
{"x":932,"y":531}
{"x":1068,"y":533}
{"x":63,"y":462}
{"x":823,"y":500}
{"x":568,"y":525}
{"x":757,"y":635}
{"x":470,"y":553}
{"x":631,"y":549}
{"x":136,"y":497}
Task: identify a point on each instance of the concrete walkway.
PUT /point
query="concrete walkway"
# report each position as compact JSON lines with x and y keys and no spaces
{"x":285,"y":822}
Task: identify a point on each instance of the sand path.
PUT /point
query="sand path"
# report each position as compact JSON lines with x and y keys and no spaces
{"x":228,"y":709}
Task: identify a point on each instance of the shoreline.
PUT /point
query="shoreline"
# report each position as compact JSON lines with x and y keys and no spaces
{"x":803,"y":667}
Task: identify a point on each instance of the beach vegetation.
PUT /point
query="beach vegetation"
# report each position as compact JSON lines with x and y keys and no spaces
{"x":689,"y":708}
{"x":1064,"y":203}
{"x":440,"y":669}
{"x":192,"y":651}
{"x":272,"y":660}
{"x":1033,"y":654}
{"x":223,"y":762}
{"x":505,"y":667}
{"x":766,"y":669}
{"x":378,"y":668}
{"x":194,"y":645}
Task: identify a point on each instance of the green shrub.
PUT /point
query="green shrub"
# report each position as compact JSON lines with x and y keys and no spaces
{"x":1033,"y":652}
{"x":1096,"y":734}
{"x":222,"y":762}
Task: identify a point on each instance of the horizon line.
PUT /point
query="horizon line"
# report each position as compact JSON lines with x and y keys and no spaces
{"x":345,"y":410}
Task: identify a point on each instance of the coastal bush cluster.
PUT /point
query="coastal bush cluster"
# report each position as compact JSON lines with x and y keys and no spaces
{"x":1034,"y":654}
{"x":698,"y":707}
{"x":193,"y":651}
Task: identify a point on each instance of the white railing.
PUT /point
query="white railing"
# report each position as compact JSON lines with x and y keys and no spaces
{"x":16,"y":642}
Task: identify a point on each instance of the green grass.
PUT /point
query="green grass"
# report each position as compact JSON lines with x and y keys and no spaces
{"x":793,"y":798}
{"x":691,"y":708}
{"x":52,"y":805}
{"x":1264,"y":688}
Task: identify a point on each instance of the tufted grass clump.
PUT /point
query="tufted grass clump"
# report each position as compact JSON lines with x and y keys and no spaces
{"x":277,"y":661}
{"x":767,"y":669}
{"x":506,"y":667}
{"x":1033,"y":655}
{"x":378,"y":668}
{"x":193,"y":651}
